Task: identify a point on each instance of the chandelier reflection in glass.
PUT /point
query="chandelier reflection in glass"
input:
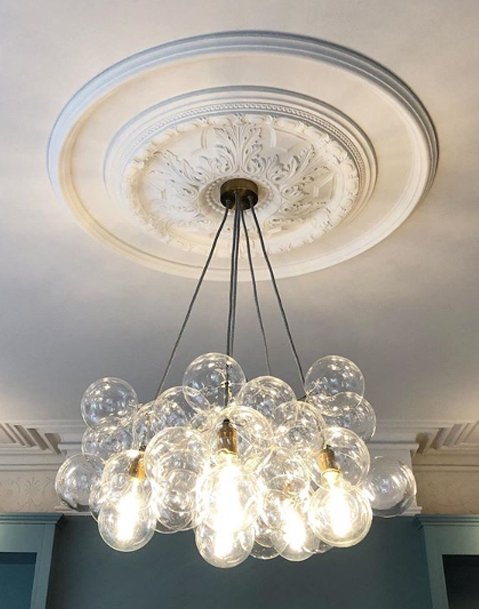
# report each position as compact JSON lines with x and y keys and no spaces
{"x":250,"y":468}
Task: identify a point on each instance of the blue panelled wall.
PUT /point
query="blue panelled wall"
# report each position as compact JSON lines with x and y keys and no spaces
{"x":387,"y":570}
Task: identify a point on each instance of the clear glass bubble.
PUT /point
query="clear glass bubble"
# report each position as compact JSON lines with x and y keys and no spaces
{"x":265,"y":394}
{"x":228,"y":497}
{"x":323,"y":547}
{"x":160,"y":528}
{"x":217,"y":377}
{"x":108,"y":399}
{"x":176,"y":448}
{"x":351,"y":456}
{"x":75,"y":479}
{"x":226,"y":548}
{"x":273,"y":506}
{"x":175,"y":500}
{"x":334,"y":374}
{"x":106,"y":440}
{"x":390,"y":487}
{"x":347,"y":410}
{"x":97,"y":498}
{"x":262,"y":534}
{"x":170,"y":409}
{"x":254,"y":435}
{"x":123,"y":475}
{"x":299,"y":428}
{"x":294,"y":538}
{"x":124,"y":526}
{"x":264,"y":552}
{"x":173,"y":521}
{"x":284,"y":471}
{"x":340,"y":515}
{"x":204,"y":421}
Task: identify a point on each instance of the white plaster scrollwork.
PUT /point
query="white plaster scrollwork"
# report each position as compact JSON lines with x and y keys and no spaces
{"x":309,"y":181}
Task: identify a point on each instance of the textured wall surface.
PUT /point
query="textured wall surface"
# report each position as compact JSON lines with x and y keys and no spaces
{"x":448,"y":492}
{"x":386,"y":571}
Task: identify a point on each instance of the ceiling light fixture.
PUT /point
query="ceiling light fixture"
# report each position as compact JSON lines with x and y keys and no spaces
{"x":248,"y":466}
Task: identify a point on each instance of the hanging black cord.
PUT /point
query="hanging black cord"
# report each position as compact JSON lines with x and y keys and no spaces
{"x":278,"y":297}
{"x":192,"y":302}
{"x":233,"y":277}
{"x":255,"y":292}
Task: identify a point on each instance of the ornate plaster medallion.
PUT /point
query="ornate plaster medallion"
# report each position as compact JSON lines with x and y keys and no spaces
{"x":140,"y":153}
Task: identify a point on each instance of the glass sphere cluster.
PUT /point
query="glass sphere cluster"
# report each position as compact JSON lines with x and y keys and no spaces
{"x":253,"y":470}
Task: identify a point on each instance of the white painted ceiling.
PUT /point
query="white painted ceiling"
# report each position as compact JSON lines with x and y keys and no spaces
{"x":73,"y":310}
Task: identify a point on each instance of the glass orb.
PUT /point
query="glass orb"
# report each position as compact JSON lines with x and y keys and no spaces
{"x":175,"y":499}
{"x":106,"y":440}
{"x":228,"y":497}
{"x":273,"y":506}
{"x":284,"y":471}
{"x":264,"y":552}
{"x":75,"y":479}
{"x":176,"y":448}
{"x":217,"y":377}
{"x":347,"y":410}
{"x":390,"y":487}
{"x":299,"y":428}
{"x":294,"y":538}
{"x":334,"y":374}
{"x":340,"y":515}
{"x":262,"y":534}
{"x":351,"y":456}
{"x":160,"y":528}
{"x":265,"y":394}
{"x":323,"y":547}
{"x":97,"y":498}
{"x":124,"y":526}
{"x":226,"y":548}
{"x":173,"y":408}
{"x":109,"y":399}
{"x":204,"y":421}
{"x":122,"y":478}
{"x":254,"y":435}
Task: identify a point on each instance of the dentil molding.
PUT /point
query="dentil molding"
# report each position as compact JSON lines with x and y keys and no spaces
{"x":342,"y":151}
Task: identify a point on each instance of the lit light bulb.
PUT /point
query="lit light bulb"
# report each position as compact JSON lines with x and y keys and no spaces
{"x":228,"y":502}
{"x":338,"y":505}
{"x":228,"y":514}
{"x":339,"y":514}
{"x":294,"y":538}
{"x":294,"y":528}
{"x":128,"y":511}
{"x":126,"y":522}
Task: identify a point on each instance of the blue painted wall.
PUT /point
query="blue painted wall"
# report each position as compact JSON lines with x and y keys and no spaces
{"x":386,"y":571}
{"x":16,"y":579}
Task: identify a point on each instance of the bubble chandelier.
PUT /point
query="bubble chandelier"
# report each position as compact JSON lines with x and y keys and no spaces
{"x":250,"y":468}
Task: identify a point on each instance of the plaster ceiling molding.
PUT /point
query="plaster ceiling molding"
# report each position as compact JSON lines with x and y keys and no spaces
{"x":37,"y":445}
{"x":451,"y":448}
{"x":342,"y":151}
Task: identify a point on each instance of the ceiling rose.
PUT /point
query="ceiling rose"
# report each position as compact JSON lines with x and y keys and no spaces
{"x":340,"y":149}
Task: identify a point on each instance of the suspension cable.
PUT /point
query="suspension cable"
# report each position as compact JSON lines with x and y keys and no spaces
{"x":278,"y":297}
{"x":192,"y":302}
{"x":255,"y":293}
{"x":233,"y":277}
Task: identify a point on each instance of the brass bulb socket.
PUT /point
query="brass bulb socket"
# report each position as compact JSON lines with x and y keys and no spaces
{"x":327,"y":461}
{"x":227,"y":438}
{"x":137,"y":467}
